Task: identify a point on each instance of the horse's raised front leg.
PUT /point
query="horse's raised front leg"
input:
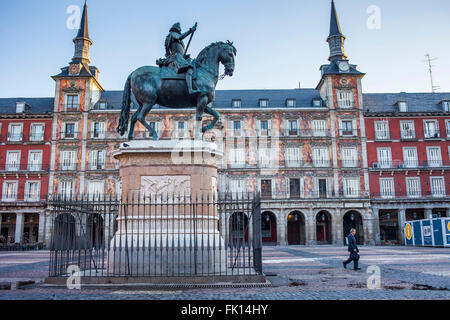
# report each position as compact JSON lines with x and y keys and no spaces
{"x":146,"y":108}
{"x":216,"y":117}
{"x":201,"y":106}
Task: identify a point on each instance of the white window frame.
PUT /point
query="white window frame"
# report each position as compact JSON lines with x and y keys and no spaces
{"x":293,"y":157}
{"x":13,"y":166}
{"x":68,"y":160}
{"x":32,"y":132}
{"x":447,"y":128}
{"x":75,"y":130}
{"x":388,"y":193}
{"x":232,"y":131}
{"x":302,"y":186}
{"x":295,"y":131}
{"x":434,"y":192}
{"x":102,"y":128}
{"x":351,"y":187}
{"x":345,"y":99}
{"x":352,"y":160}
{"x":157,"y":126}
{"x":263,"y":103}
{"x":431,"y":135}
{"x":434,"y":163}
{"x":321,"y":157}
{"x":402,"y":106}
{"x":97,"y":159}
{"x":184,"y":133}
{"x":237,"y":186}
{"x":384,"y":163}
{"x":404,"y":133}
{"x":382,"y":134}
{"x":236,"y":103}
{"x":319,"y":127}
{"x":5,"y":196}
{"x":290,"y":103}
{"x":34,"y":166}
{"x":272,"y":186}
{"x":98,"y":191}
{"x":410,"y":163}
{"x":316,"y":186}
{"x":237,"y":157}
{"x":27,"y":194}
{"x":14,"y":138}
{"x":415,"y":192}
{"x":264,"y":132}
{"x":63,"y":190}
{"x":265,"y":157}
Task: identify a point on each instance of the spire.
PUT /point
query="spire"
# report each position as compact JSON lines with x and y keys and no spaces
{"x":336,"y":38}
{"x":83,"y":32}
{"x":82,"y":40}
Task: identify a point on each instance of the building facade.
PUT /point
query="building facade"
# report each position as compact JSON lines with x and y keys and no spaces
{"x":25,"y":132}
{"x":311,"y":153}
{"x":409,"y":159}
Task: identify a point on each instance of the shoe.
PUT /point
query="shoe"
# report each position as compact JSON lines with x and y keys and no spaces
{"x":356,"y":269}
{"x":345,"y":265}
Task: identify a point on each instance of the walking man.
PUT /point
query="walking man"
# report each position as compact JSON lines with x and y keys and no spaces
{"x":353,"y":249}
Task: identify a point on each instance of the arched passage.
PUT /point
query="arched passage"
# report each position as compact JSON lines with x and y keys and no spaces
{"x":238,"y":228}
{"x":269,"y":228}
{"x":296,"y":228}
{"x":323,"y":227}
{"x":353,"y":219}
{"x":96,"y":230}
{"x":64,"y":235}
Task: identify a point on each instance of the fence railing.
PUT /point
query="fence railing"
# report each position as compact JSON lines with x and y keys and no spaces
{"x":156,"y":236}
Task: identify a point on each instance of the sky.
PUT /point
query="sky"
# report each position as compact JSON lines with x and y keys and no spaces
{"x":280,"y":43}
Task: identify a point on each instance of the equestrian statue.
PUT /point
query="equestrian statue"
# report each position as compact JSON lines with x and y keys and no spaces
{"x":177,"y":82}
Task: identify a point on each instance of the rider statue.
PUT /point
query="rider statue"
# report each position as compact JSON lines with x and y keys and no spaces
{"x":176,"y":56}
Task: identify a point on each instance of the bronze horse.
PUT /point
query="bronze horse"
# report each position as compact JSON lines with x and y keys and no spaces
{"x":153,"y":85}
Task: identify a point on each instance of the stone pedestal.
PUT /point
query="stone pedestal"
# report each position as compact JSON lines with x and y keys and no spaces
{"x":160,"y":231}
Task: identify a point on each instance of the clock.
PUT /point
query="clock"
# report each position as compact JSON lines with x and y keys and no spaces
{"x":343,"y":66}
{"x":74,"y":69}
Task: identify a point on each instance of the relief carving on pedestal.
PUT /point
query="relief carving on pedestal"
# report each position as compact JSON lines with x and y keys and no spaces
{"x":165,"y":185}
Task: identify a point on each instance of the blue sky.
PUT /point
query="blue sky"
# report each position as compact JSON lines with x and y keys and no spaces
{"x":280,"y":43}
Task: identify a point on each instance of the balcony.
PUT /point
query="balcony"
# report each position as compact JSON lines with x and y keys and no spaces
{"x":410,"y":164}
{"x":408,"y":135}
{"x":36,"y":137}
{"x":96,"y":166}
{"x":69,"y":167}
{"x":321,"y":163}
{"x":293,"y":163}
{"x":432,"y":135}
{"x":104,"y":135}
{"x":14,"y":137}
{"x":348,"y":133}
{"x":237,"y":165}
{"x":382,"y":136}
{"x":306,"y":133}
{"x":28,"y":197}
{"x":411,"y":195}
{"x":71,"y":108}
{"x":68,"y":135}
{"x":24,"y":167}
{"x":349,"y":163}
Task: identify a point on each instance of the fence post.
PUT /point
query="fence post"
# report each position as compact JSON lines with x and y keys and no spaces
{"x":257,"y":239}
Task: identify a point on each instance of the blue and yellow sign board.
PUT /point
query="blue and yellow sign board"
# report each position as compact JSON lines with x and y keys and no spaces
{"x":409,"y":239}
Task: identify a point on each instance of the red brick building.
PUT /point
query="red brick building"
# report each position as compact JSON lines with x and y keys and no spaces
{"x":25,"y":134}
{"x":409,"y":158}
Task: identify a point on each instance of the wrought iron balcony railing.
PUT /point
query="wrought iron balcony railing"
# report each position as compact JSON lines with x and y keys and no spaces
{"x":24,"y":167}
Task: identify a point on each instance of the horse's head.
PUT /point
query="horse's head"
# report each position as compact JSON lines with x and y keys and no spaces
{"x":226,"y":57}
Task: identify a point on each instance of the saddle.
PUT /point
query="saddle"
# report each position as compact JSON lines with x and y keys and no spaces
{"x":168,"y":73}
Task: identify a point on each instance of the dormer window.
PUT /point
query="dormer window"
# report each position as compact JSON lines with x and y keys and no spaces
{"x":317,"y":103}
{"x":263,"y":103}
{"x":236,"y":103}
{"x":290,"y":103}
{"x":102,"y":105}
{"x":20,"y":107}
{"x":402,"y":106}
{"x":445,"y":106}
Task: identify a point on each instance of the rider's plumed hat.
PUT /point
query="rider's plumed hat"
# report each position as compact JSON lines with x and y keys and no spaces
{"x":176,"y":28}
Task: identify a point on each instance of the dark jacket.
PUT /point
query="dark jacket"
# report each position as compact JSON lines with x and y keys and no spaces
{"x":352,"y":243}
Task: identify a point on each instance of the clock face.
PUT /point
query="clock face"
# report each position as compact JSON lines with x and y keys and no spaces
{"x":344,"y":66}
{"x":74,"y":69}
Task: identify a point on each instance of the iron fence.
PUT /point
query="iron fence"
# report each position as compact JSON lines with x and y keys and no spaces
{"x":157,"y":235}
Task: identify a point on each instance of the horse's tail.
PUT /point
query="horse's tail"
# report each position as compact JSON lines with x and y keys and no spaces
{"x":126,"y":106}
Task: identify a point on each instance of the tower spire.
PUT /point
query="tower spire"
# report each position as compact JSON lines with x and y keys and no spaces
{"x":82,"y":40}
{"x":336,"y":38}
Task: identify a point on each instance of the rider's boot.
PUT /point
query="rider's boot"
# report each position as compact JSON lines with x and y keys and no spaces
{"x":189,"y":84}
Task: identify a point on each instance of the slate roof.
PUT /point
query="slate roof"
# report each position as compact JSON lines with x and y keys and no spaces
{"x":333,"y":68}
{"x":37,"y":105}
{"x":84,"y":72}
{"x":416,"y":102}
{"x":83,"y":32}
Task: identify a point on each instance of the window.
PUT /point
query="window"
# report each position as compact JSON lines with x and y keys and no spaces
{"x":263,"y":103}
{"x":32,"y":191}
{"x":446,"y":106}
{"x":407,"y":130}
{"x":319,"y":128}
{"x":37,"y":132}
{"x":382,"y":130}
{"x":69,"y":131}
{"x":35,"y":160}
{"x":402,"y":106}
{"x":437,"y":186}
{"x":387,"y":188}
{"x":65,"y":188}
{"x":410,"y":157}
{"x":236,"y":158}
{"x":349,"y":158}
{"x":97,"y":159}
{"x":102,"y":105}
{"x":290,"y":103}
{"x":431,"y":129}
{"x":293,"y":157}
{"x":98,"y":130}
{"x":265,"y":157}
{"x":155,"y":125}
{"x":236,"y":103}
{"x":238,"y":186}
{"x":266,"y":188}
{"x":264,"y":127}
{"x":413,"y":187}
{"x":447,"y":126}
{"x":434,"y":156}
{"x":317,"y":103}
{"x":72,"y":102}
{"x":9,"y":191}
{"x":321,"y":187}
{"x":96,"y":189}
{"x":351,"y":187}
{"x":347,"y":128}
{"x":236,"y":128}
{"x":345,"y":99}
{"x":293,"y":127}
{"x":295,"y":188}
{"x":13,"y":161}
{"x":321,"y":157}
{"x":15,"y":132}
{"x":20,"y":107}
{"x":68,"y":160}
{"x":384,"y":157}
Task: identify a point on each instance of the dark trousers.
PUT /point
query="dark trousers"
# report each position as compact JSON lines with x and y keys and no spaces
{"x":353,"y":257}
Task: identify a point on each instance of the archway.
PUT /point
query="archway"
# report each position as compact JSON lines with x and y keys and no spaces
{"x":238,"y":229}
{"x":64,"y":235}
{"x":323,"y":227}
{"x":269,"y":228}
{"x":95,"y":231}
{"x":353,"y":219}
{"x":296,"y":228}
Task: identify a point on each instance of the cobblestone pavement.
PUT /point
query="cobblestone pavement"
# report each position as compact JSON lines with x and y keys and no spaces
{"x":295,"y":273}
